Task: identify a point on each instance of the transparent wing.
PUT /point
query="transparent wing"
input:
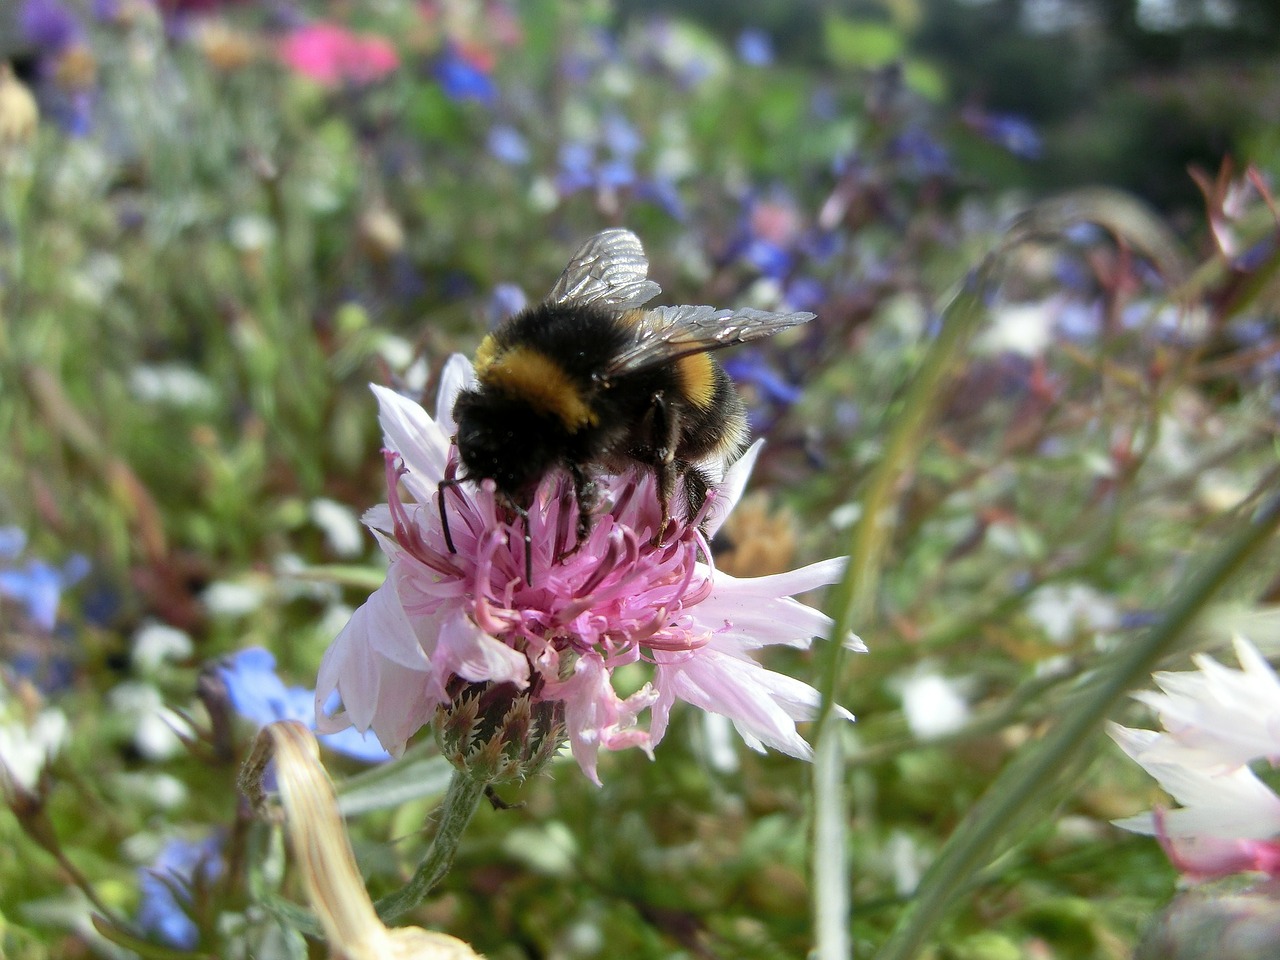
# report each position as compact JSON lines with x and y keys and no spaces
{"x":609,"y":269}
{"x":664,"y":334}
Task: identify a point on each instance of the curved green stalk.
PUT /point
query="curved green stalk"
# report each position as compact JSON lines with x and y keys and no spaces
{"x":853,"y":601}
{"x":1032,"y":774}
{"x":459,"y":805}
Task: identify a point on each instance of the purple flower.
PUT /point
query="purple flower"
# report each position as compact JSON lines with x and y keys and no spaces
{"x":804,"y":293}
{"x":461,"y":79}
{"x":1007,"y":130}
{"x":166,"y":888}
{"x":507,"y":144}
{"x":38,"y":585}
{"x":48,"y":25}
{"x":662,"y":193}
{"x":920,"y":154}
{"x":755,"y":48}
{"x":445,"y":619}
{"x":258,"y":693}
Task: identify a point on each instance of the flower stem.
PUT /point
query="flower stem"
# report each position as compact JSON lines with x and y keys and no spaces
{"x":1040,"y":769}
{"x":853,"y":600}
{"x":460,"y":804}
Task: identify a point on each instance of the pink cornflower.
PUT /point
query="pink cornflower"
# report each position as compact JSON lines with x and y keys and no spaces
{"x":1216,"y":722}
{"x":332,"y":55}
{"x":471,"y":616}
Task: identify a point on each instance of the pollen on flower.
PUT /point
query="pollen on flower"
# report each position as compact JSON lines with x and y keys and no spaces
{"x":497,"y":647}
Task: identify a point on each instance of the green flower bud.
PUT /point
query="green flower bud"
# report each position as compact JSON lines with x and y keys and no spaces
{"x":496,"y":732}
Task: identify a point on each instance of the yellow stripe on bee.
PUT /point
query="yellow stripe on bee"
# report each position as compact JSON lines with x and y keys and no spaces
{"x":485,"y":354}
{"x":535,"y":378}
{"x":697,"y":378}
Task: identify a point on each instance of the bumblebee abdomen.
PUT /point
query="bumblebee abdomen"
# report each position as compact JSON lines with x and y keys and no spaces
{"x":696,"y":375}
{"x":715,"y":419}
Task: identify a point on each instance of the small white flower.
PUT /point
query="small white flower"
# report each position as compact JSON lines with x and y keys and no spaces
{"x":1062,"y":609}
{"x":226,"y":599}
{"x":156,"y":725}
{"x":174,"y":385}
{"x":933,"y":705}
{"x":342,"y":530}
{"x":25,"y":748}
{"x":1021,"y":328}
{"x":156,"y":643}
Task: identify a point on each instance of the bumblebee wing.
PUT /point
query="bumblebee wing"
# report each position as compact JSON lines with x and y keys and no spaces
{"x":664,"y":334}
{"x":609,"y":269}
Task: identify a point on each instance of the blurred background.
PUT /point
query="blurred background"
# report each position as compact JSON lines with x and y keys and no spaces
{"x":219,"y":221}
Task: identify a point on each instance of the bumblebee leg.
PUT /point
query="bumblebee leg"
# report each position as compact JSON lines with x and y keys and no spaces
{"x":582,"y":496}
{"x":666,"y":436}
{"x":696,"y":485}
{"x":528,"y":545}
{"x":444,"y":514}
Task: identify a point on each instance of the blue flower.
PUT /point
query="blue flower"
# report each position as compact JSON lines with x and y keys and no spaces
{"x":921,"y":154}
{"x":751,"y":367}
{"x":463,"y":80}
{"x":804,"y":293}
{"x":755,"y":48}
{"x":38,"y":585}
{"x":506,"y":301}
{"x":577,"y":166}
{"x":1007,"y":130}
{"x":622,"y":139}
{"x":769,"y":258}
{"x":661,"y":192}
{"x":258,"y":693}
{"x":166,"y":890}
{"x":507,"y":144}
{"x":613,"y":174}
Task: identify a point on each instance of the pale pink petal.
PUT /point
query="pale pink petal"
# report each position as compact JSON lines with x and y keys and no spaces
{"x":457,"y":376}
{"x":761,"y":612}
{"x":1232,"y":805}
{"x":466,"y":650}
{"x":403,"y":707}
{"x":378,"y":518}
{"x":418,"y":440}
{"x":375,"y":693}
{"x":596,"y":717}
{"x":1207,"y":858}
{"x":762,"y":705}
{"x":409,"y":430}
{"x":1230,"y":716}
{"x":729,"y":489}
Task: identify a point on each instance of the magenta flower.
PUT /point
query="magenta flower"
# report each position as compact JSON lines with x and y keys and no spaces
{"x":332,"y":55}
{"x":471,"y":616}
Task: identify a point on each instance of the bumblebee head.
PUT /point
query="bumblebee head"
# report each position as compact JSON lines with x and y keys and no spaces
{"x":500,"y":438}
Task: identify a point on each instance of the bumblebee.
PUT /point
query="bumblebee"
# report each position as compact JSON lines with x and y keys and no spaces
{"x":591,"y":379}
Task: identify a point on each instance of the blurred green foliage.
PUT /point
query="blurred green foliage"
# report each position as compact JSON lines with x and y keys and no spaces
{"x":196,"y":287}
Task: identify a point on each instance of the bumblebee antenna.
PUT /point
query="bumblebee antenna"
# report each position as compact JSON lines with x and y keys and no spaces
{"x":444,"y":514}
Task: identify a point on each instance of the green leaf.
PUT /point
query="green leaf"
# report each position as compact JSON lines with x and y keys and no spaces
{"x":393,"y":784}
{"x":861,"y":43}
